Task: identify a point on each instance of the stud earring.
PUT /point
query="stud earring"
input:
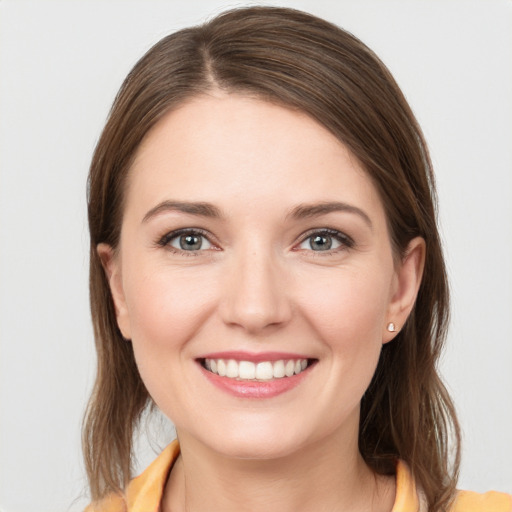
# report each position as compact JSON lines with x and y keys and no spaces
{"x":391,"y":327}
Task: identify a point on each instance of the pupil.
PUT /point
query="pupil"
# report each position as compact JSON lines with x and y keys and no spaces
{"x":321,"y":243}
{"x":190,"y":242}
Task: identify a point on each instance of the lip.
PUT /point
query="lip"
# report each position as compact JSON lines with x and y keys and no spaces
{"x":255,"y":389}
{"x":253,"y":356}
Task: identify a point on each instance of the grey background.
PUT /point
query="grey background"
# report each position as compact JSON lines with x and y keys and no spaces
{"x":61,"y":63}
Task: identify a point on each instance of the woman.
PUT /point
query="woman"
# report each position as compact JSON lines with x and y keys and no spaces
{"x":266,"y":270}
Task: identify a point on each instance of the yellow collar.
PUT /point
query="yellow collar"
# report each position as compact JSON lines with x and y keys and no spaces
{"x":145,"y":492}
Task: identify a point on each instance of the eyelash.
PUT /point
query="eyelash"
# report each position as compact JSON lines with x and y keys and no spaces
{"x":166,"y":240}
{"x":346,"y":241}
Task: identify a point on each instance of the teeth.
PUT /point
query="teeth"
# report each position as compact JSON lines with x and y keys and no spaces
{"x":279,"y":369}
{"x":264,"y":371}
{"x":221,"y":367}
{"x":232,"y":369}
{"x":247,"y":370}
{"x":289,"y":369}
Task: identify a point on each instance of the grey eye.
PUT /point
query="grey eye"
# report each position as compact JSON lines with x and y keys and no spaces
{"x":320,"y":242}
{"x":190,"y":242}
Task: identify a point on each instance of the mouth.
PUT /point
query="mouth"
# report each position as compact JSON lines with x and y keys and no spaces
{"x":262,"y":371}
{"x":256,"y":376}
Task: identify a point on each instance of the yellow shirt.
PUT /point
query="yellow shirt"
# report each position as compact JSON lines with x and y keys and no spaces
{"x":144,"y":493}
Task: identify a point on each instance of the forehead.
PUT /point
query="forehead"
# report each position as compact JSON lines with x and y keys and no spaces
{"x":223,"y":147}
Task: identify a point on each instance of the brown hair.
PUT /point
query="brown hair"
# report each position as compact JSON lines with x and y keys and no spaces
{"x":302,"y":62}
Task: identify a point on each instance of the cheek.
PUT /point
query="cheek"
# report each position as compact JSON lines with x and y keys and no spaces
{"x":166,"y":310}
{"x":348,"y":318}
{"x":350,"y":306}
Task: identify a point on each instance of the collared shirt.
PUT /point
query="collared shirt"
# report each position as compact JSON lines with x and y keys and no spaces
{"x":145,"y":492}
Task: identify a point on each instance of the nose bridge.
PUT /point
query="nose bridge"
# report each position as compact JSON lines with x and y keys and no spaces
{"x":256,"y":295}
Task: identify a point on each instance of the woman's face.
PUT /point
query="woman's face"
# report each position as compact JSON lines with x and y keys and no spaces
{"x":254,"y":244}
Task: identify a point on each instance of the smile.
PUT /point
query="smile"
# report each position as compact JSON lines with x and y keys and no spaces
{"x":255,"y":376}
{"x":251,"y":371}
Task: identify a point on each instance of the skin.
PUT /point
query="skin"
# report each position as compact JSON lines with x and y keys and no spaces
{"x":258,"y":285}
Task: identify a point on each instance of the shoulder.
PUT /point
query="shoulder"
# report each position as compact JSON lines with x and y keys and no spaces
{"x":409,"y":497}
{"x":492,"y":501}
{"x":144,"y":493}
{"x":111,"y":503}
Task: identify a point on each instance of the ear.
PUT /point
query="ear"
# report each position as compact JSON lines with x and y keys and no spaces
{"x":112,"y":266}
{"x":406,"y":284}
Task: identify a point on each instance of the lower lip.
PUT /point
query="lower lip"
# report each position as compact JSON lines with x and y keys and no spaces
{"x":256,"y":389}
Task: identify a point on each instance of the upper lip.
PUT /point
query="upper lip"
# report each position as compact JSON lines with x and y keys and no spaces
{"x":254,"y":357}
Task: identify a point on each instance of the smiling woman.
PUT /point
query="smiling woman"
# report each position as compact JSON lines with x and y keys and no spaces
{"x":266,"y":269}
{"x":283,"y":293}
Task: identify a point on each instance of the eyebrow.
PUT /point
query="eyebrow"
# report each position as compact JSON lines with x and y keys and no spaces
{"x":304,"y":211}
{"x":201,"y":209}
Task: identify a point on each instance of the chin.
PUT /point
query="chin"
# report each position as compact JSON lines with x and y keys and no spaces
{"x":265,"y":441}
{"x":251,"y":449}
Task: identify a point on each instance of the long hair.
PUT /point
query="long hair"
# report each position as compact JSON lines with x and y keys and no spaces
{"x":301,"y":62}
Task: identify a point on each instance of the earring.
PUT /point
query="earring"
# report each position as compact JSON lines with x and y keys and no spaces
{"x":391,"y":327}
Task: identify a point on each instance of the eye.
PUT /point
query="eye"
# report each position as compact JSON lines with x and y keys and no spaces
{"x":186,"y":240}
{"x":326,"y":240}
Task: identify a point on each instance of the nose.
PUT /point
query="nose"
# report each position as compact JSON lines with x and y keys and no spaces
{"x":255,"y":295}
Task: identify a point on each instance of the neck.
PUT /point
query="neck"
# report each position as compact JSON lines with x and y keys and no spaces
{"x":327,"y":476}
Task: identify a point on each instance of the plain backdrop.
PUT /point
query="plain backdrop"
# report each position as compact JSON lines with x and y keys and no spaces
{"x":61,"y":63}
